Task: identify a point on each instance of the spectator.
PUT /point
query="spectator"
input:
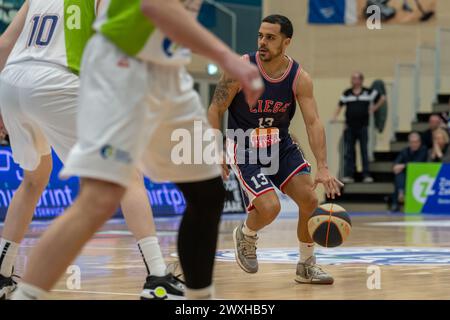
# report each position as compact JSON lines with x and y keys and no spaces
{"x":360,"y":102}
{"x":441,"y":150}
{"x":434,"y":122}
{"x":415,"y":152}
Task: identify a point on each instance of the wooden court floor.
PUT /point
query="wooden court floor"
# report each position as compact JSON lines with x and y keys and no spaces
{"x":386,"y":257}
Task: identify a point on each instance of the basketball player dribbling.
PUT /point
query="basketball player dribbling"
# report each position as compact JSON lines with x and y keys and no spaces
{"x":39,"y":92}
{"x":268,"y":121}
{"x":135,"y":92}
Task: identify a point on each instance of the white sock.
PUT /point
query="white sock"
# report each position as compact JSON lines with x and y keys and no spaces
{"x":306,"y":251}
{"x":27,"y":291}
{"x":8,"y":254}
{"x":200,"y":294}
{"x":247,"y":231}
{"x":153,"y":259}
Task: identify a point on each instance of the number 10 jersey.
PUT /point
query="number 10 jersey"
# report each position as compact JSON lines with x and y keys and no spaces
{"x":55,"y":32}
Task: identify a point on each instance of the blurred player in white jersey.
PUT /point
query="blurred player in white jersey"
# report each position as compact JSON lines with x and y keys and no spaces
{"x":135,"y":93}
{"x":40,"y":56}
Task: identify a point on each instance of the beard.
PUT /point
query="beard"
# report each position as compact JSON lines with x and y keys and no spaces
{"x":266,"y":55}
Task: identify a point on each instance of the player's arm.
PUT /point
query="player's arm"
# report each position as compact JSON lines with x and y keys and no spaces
{"x":316,"y":135}
{"x":226,"y":90}
{"x":99,"y":6}
{"x":178,"y":24}
{"x":9,"y":37}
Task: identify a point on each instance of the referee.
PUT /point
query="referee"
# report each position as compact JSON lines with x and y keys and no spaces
{"x":359,"y":102}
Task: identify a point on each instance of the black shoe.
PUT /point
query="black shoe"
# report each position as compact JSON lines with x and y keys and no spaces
{"x":163,"y":288}
{"x":7,"y":287}
{"x":396,"y":208}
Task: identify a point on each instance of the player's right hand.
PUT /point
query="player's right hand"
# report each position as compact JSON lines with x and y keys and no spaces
{"x":247,"y":75}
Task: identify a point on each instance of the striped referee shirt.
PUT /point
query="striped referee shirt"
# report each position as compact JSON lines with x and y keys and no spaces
{"x":357,"y":106}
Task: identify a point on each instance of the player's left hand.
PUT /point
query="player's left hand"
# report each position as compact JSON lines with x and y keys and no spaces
{"x":332,"y":184}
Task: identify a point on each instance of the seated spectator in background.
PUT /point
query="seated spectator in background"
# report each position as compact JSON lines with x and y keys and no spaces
{"x":434,"y":122}
{"x":441,"y":150}
{"x":415,"y":152}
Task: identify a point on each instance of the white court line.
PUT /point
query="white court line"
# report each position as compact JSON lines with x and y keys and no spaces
{"x":97,"y":292}
{"x":434,"y":223}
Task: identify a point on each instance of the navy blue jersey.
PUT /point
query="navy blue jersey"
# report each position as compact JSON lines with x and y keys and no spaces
{"x":275,"y":108}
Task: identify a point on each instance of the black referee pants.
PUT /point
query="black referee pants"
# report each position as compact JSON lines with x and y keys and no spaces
{"x":351,"y":135}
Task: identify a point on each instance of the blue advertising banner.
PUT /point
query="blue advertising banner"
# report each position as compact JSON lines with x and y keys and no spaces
{"x":327,"y":11}
{"x":166,"y":199}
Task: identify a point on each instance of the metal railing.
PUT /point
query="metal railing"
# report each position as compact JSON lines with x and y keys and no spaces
{"x":405,"y":83}
{"x":425,"y":94}
{"x":371,"y":137}
{"x":335,"y":147}
{"x":233,"y":18}
{"x":415,"y":78}
{"x":442,"y":65}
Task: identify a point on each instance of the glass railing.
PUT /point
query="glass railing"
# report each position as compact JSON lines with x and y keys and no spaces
{"x":442,"y":74}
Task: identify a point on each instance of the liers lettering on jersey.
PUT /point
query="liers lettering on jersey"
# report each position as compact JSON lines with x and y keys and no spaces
{"x":270,"y":106}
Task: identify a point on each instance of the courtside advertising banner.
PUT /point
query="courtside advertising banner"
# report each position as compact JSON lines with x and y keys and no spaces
{"x":428,"y":188}
{"x":166,"y":199}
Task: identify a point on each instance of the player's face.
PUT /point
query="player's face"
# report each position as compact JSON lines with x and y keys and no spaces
{"x":271,"y":42}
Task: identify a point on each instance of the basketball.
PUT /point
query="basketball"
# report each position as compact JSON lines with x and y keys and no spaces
{"x":330,"y":225}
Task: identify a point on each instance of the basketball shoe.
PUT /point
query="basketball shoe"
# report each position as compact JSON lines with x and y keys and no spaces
{"x":245,"y":250}
{"x":168,"y":287}
{"x":7,"y":287}
{"x":310,"y":272}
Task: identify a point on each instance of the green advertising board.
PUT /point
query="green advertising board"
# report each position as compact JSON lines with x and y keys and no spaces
{"x":428,"y":188}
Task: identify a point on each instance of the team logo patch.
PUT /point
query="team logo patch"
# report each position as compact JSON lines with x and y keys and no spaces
{"x":109,"y":152}
{"x":353,"y":255}
{"x":169,"y":47}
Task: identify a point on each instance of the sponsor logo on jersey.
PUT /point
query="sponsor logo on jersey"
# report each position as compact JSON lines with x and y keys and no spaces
{"x":169,"y":47}
{"x":353,"y":255}
{"x":109,"y":152}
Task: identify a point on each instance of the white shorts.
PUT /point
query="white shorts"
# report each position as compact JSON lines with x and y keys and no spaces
{"x":38,"y":103}
{"x":128,"y":111}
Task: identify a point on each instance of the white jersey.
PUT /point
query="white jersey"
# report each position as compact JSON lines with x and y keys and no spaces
{"x":55,"y":31}
{"x":123,"y":23}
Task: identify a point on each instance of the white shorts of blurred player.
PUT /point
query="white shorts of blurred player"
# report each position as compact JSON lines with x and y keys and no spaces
{"x":128,"y":111}
{"x":38,"y":102}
